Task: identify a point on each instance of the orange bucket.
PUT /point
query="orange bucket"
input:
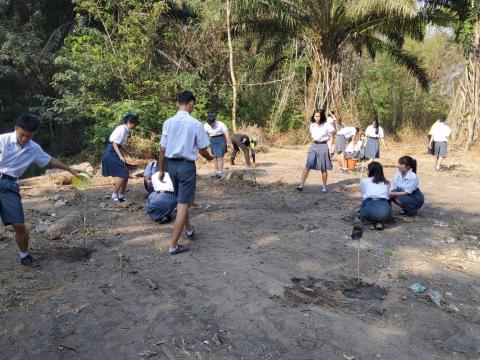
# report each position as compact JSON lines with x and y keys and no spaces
{"x":351,"y":164}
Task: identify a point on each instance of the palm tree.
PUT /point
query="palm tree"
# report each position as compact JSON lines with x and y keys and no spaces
{"x":329,"y":31}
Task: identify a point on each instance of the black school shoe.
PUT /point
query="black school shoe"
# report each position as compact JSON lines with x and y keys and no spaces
{"x":180,"y":249}
{"x":191,"y":236}
{"x":30,"y":261}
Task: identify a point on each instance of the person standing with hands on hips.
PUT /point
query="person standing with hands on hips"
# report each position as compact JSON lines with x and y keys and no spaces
{"x":183,"y":137}
{"x":17,"y":152}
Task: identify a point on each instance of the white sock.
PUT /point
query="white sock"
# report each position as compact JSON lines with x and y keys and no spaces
{"x":114,"y":195}
{"x":23,"y":255}
{"x":190,"y":232}
{"x":171,"y":250}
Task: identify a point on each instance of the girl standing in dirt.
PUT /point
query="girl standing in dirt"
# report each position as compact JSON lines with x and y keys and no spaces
{"x":375,"y":134}
{"x":113,"y":162}
{"x":404,"y":190}
{"x":375,"y":201}
{"x":319,"y":155}
{"x":217,"y":131}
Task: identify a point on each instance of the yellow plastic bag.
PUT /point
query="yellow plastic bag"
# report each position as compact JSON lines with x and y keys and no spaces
{"x":81,"y":181}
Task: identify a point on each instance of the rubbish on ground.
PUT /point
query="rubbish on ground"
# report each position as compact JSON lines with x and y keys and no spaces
{"x":348,"y":357}
{"x":148,"y":353}
{"x":439,"y":223}
{"x":435,"y":297}
{"x":417,"y":287}
{"x":82,"y":181}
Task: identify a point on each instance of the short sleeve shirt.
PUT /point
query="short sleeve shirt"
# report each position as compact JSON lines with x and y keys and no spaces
{"x":441,"y":132}
{"x":321,"y":132}
{"x":14,"y":159}
{"x":182,"y":137}
{"x":166,"y":185}
{"x":408,"y":183}
{"x":348,"y":132}
{"x":371,"y":132}
{"x":370,"y":190}
{"x":218,"y":128}
{"x":119,"y":135}
{"x":150,"y":169}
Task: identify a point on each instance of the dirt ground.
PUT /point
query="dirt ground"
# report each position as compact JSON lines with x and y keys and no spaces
{"x":272,"y":275}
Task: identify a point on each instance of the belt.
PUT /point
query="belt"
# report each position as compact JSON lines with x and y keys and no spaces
{"x":165,"y":192}
{"x":179,"y":159}
{"x":376,"y":199}
{"x":7,"y":177}
{"x":371,"y":137}
{"x":215,"y":136}
{"x":320,"y":142}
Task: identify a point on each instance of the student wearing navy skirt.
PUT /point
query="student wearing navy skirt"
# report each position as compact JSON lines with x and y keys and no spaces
{"x":344,"y":136}
{"x":113,"y":162}
{"x":375,"y":206}
{"x":375,"y":134}
{"x":161,"y":202}
{"x":404,"y":190}
{"x":319,"y":154}
{"x":217,"y":132}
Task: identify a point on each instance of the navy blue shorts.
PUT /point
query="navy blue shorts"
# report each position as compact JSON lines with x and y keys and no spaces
{"x":184,"y":178}
{"x":11,"y":209}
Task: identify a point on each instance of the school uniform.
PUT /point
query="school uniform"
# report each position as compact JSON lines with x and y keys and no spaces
{"x":161,"y":202}
{"x":343,"y":135}
{"x":182,"y":137}
{"x":375,"y":206}
{"x":372,"y":147}
{"x":410,"y":184}
{"x":14,"y":161}
{"x":318,"y":157}
{"x":441,"y":133}
{"x":150,"y":169}
{"x":111,"y":163}
{"x":243,"y":142}
{"x":218,"y":141}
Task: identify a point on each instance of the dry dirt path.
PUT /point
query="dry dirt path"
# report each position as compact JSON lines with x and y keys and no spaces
{"x":265,"y":280}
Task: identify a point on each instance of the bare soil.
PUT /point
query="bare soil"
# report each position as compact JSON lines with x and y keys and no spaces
{"x":271,"y":276}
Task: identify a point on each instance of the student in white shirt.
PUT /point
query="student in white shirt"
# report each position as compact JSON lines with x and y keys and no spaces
{"x":217,"y":131}
{"x":356,"y":149}
{"x":113,"y":162}
{"x":439,"y":141}
{"x":161,"y":202}
{"x":344,"y":135}
{"x":183,"y":137}
{"x":405,"y":191}
{"x":318,"y":155}
{"x":17,"y":152}
{"x":375,"y":201}
{"x":375,"y":134}
{"x":431,"y":143}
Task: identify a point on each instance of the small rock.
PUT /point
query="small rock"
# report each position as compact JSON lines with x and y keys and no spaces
{"x":41,"y":228}
{"x":439,"y":223}
{"x":61,"y":203}
{"x":56,"y":197}
{"x":148,"y":353}
{"x":216,"y":339}
{"x":451,"y":240}
{"x":348,"y":357}
{"x":102,"y":205}
{"x":376,"y":309}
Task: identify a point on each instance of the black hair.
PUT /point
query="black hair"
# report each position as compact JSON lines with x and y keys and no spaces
{"x":211,"y":118}
{"x":356,"y":128}
{"x":184,"y":97}
{"x":377,"y":123}
{"x":130,"y":118}
{"x":442,"y":118}
{"x":409,"y":162}
{"x":323,"y":117}
{"x":28,"y":122}
{"x":375,"y":170}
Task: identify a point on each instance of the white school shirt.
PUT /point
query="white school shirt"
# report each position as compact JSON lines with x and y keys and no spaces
{"x":119,"y":135}
{"x":441,"y":132}
{"x":321,"y":132}
{"x":370,"y":190}
{"x":183,"y":136}
{"x":350,"y":147}
{"x":348,"y":132}
{"x":371,"y":132}
{"x":218,"y":128}
{"x":408,"y":183}
{"x":167,"y":185}
{"x":14,"y":159}
{"x":330,"y":119}
{"x":359,"y":145}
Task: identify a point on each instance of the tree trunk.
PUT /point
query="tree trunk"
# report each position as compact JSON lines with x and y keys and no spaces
{"x":232,"y":72}
{"x":465,"y":112}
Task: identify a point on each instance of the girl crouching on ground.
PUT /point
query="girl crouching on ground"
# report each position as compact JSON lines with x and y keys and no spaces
{"x":404,"y":190}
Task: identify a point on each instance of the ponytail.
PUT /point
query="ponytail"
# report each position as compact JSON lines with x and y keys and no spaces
{"x":130,"y":118}
{"x":409,"y":162}
{"x":377,"y":124}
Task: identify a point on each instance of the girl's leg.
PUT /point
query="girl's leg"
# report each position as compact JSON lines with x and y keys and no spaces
{"x":123,"y":187}
{"x":305,"y":173}
{"x":220,"y":164}
{"x":324,"y":178}
{"x":216,"y":165}
{"x":117,"y":187}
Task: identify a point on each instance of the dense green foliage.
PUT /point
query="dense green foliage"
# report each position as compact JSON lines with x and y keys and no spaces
{"x":82,"y":64}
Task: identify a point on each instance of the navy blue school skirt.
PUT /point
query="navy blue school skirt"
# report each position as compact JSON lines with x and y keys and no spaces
{"x":218,"y":145}
{"x":160,"y":205}
{"x":340,"y":143}
{"x":372,"y":148}
{"x":411,"y":203}
{"x":112,"y":165}
{"x":319,"y":157}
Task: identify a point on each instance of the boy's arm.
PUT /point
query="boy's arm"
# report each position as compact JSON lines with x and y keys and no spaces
{"x":206,"y":154}
{"x":161,"y":163}
{"x":59,"y":165}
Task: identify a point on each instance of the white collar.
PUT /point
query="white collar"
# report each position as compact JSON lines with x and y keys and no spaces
{"x":13,"y":139}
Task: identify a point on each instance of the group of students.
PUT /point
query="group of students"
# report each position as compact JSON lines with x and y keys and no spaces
{"x":171,"y":180}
